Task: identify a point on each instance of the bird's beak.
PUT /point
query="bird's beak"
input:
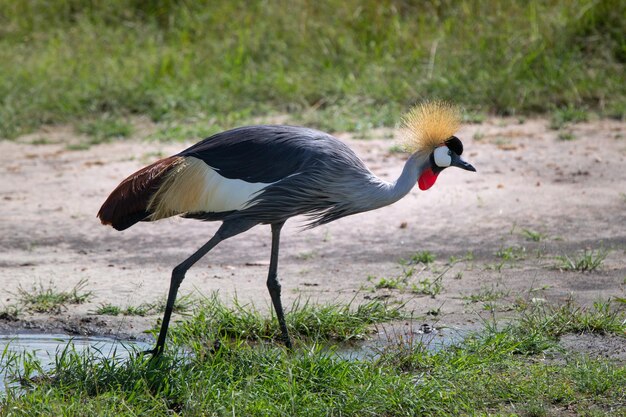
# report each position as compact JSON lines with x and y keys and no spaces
{"x":458,"y":162}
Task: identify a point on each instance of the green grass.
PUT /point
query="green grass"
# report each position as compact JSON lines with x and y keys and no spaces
{"x":182,"y":305}
{"x":515,"y":367}
{"x":304,"y":320}
{"x":141,"y":310}
{"x":509,"y":256}
{"x":48,"y":299}
{"x":511,"y":253}
{"x":468,"y":257}
{"x":421,"y":286}
{"x":428,"y":286}
{"x":486,"y":295}
{"x":554,"y":321}
{"x":391,"y":283}
{"x":105,"y":128}
{"x":339,"y":65}
{"x":586,"y":261}
{"x":411,"y":279}
{"x":569,"y":114}
{"x":109,"y":310}
{"x":533,"y":235}
{"x":566,"y":136}
{"x":421,"y":257}
{"x":101,"y":130}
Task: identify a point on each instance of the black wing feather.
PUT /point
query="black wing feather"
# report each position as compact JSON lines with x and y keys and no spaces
{"x":259,"y":153}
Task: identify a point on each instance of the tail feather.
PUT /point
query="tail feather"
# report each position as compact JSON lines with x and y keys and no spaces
{"x":129,"y":202}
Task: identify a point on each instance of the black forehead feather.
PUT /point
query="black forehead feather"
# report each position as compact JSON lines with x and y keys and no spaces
{"x":454,"y":144}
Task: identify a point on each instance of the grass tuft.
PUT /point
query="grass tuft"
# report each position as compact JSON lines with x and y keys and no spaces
{"x":555,"y":321}
{"x":533,"y":235}
{"x":108,"y":310}
{"x":304,"y":320}
{"x":391,"y":283}
{"x":182,"y":305}
{"x":42,"y":299}
{"x":411,"y":278}
{"x":587,"y":261}
{"x":511,"y":253}
{"x":422,"y":257}
{"x":427,"y":286}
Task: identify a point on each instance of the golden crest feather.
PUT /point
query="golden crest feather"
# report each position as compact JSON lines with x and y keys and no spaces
{"x":429,"y":124}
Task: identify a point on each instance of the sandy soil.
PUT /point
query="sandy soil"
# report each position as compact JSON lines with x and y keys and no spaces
{"x":572,"y":192}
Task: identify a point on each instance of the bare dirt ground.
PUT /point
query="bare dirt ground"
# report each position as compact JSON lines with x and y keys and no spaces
{"x":570,"y":195}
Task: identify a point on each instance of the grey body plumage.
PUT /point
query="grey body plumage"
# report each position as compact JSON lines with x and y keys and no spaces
{"x":275,"y":173}
{"x":323,"y":178}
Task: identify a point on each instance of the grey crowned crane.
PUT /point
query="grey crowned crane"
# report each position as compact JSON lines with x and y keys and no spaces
{"x":267,"y":174}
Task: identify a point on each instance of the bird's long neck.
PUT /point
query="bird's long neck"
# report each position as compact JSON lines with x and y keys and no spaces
{"x":410,"y":173}
{"x":385,"y":193}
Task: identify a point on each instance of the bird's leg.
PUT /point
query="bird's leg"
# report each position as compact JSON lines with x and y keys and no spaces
{"x":228,"y":229}
{"x":274,"y":286}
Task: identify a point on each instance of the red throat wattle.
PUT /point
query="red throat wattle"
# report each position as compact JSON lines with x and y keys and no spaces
{"x":427,"y":179}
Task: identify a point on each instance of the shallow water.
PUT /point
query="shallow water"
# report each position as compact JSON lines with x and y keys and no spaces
{"x":46,"y":346}
{"x":429,"y":338}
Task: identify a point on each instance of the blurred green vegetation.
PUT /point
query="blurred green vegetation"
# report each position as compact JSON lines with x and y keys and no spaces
{"x":338,"y":65}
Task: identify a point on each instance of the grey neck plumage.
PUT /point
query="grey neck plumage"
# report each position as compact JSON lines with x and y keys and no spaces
{"x":381,"y":193}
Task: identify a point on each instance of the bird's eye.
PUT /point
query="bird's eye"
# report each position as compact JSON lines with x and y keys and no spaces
{"x":449,"y":152}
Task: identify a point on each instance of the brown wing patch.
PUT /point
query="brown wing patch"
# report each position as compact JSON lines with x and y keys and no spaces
{"x":129,"y":202}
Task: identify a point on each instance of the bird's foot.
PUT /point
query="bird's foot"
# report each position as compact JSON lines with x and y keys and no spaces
{"x":287,"y":342}
{"x":155,"y":353}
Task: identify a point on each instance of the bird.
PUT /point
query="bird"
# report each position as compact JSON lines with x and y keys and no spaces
{"x":266,"y":174}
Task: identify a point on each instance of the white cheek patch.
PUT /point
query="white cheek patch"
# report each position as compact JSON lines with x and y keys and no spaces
{"x":442,"y":157}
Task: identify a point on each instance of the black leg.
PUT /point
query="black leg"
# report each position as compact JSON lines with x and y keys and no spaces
{"x":274,"y":286}
{"x":228,"y":229}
